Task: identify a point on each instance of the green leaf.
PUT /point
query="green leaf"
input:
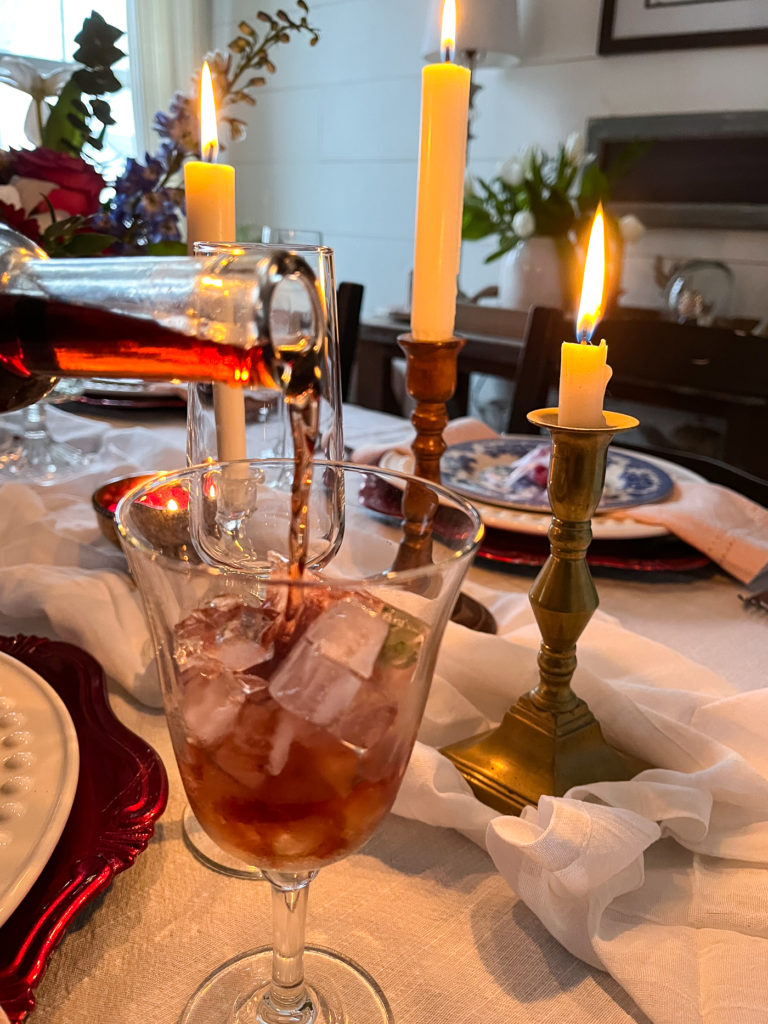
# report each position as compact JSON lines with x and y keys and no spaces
{"x":476,"y":224}
{"x":102,"y":112}
{"x":59,"y":132}
{"x":593,"y":189}
{"x":166,"y":249}
{"x":89,"y":243}
{"x":95,"y":81}
{"x":503,"y":248}
{"x":96,"y":42}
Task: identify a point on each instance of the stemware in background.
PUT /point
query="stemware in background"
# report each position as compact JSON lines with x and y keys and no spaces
{"x":29,"y":453}
{"x":292,"y":702}
{"x":290,"y":236}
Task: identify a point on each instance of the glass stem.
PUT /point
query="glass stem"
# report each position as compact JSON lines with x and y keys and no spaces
{"x":35,"y":424}
{"x":287,"y":998}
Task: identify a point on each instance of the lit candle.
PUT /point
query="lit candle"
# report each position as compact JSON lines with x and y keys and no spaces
{"x":210,"y":198}
{"x":584,"y":372}
{"x":442,"y":156}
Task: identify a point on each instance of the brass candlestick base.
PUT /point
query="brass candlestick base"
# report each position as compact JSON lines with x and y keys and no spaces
{"x":550,"y":741}
{"x":431,"y":380}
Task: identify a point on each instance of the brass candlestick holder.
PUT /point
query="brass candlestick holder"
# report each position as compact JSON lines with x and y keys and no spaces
{"x":549,"y":740}
{"x":430,"y":377}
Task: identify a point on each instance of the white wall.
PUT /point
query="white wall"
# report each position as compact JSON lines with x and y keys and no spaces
{"x":333,"y":141}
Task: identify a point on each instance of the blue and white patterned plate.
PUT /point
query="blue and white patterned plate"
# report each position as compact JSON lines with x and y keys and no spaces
{"x":482,"y":470}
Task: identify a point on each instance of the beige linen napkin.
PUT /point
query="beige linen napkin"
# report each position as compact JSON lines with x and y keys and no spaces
{"x":57,"y":571}
{"x":660,"y":880}
{"x":727,"y":527}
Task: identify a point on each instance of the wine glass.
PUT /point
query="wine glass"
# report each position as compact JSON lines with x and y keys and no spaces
{"x":290,"y":237}
{"x":293,"y":702}
{"x":30,"y":454}
{"x":267,"y":433}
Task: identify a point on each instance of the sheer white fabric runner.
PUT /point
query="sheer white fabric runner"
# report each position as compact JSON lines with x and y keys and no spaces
{"x":661,"y":880}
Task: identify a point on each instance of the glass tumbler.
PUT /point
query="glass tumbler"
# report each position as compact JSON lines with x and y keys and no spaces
{"x":293,"y":702}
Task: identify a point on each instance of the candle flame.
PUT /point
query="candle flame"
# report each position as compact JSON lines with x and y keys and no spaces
{"x":448,"y":30}
{"x":173,"y":505}
{"x":209,"y":136}
{"x":591,"y":305}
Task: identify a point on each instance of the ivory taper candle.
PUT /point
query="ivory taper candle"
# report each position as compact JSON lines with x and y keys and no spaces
{"x":584,"y":372}
{"x":210,"y":199}
{"x":442,"y":159}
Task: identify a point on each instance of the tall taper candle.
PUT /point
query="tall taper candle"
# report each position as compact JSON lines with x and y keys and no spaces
{"x":442,"y":159}
{"x":210,"y":199}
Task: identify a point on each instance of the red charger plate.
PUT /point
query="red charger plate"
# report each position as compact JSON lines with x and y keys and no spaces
{"x":122,"y":790}
{"x":651,"y":555}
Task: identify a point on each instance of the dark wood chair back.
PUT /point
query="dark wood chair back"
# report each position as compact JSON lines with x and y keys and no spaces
{"x":708,"y":370}
{"x":349,"y":299}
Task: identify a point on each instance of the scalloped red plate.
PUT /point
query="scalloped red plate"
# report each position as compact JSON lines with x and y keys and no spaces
{"x":121,"y":792}
{"x":655,"y":557}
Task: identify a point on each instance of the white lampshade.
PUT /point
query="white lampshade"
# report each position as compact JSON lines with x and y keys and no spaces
{"x":485,"y":28}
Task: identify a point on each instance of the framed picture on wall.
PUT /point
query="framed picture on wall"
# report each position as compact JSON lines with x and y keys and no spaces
{"x":633,"y":26}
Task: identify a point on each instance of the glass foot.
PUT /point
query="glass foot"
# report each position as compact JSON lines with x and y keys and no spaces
{"x":41,"y":462}
{"x":207,"y":852}
{"x":339,"y":991}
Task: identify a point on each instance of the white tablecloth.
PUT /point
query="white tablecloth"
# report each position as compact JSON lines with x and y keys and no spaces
{"x":422,"y":908}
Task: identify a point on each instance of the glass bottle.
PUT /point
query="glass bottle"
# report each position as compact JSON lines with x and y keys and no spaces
{"x":154,"y":318}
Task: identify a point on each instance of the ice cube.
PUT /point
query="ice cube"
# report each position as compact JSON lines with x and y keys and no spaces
{"x":228,"y":629}
{"x":244,"y":752}
{"x":367,"y":720}
{"x":313,"y":686}
{"x":282,"y":738}
{"x":211,"y":698}
{"x":350,"y":635}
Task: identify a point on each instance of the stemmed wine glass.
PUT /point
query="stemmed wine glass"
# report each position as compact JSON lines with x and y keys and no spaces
{"x":293,"y":699}
{"x":267,"y":430}
{"x":30,"y":454}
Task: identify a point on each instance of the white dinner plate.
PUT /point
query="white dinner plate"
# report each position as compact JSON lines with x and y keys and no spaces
{"x":39,"y":767}
{"x":484,"y":470}
{"x":518,"y":521}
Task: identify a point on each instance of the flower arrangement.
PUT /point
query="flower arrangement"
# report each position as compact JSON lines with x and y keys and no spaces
{"x":537,"y":194}
{"x":54,"y":193}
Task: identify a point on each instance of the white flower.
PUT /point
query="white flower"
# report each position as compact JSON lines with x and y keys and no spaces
{"x":529,"y":158}
{"x":631,"y":228}
{"x":10,"y":195}
{"x":574,"y":148}
{"x":30,"y":191}
{"x":524,"y":224}
{"x":24,"y":76}
{"x":511,"y":172}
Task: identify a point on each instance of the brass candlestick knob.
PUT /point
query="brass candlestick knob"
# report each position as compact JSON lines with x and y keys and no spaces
{"x":550,"y":741}
{"x":430,"y":378}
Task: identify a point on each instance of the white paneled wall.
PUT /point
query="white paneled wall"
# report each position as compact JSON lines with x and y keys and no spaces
{"x":333,"y":141}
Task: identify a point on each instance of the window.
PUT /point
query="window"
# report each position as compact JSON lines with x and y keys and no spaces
{"x":44,"y":34}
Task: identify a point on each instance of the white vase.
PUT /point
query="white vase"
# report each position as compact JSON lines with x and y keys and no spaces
{"x":534,"y":273}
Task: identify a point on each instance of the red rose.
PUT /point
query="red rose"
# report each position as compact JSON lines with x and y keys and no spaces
{"x":78,"y":184}
{"x":18,"y":220}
